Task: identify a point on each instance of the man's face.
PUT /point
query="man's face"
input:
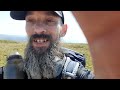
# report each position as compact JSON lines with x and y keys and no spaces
{"x":43,"y":27}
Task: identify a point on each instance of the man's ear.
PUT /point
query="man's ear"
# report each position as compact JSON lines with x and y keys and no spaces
{"x":63,"y":30}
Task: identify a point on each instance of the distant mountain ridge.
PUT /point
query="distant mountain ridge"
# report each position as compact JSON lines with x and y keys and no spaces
{"x":20,"y":38}
{"x":17,"y":38}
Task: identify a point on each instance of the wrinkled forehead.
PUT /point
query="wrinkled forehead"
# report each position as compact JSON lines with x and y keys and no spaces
{"x":46,"y":13}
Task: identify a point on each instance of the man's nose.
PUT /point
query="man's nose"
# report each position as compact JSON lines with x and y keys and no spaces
{"x":39,"y":29}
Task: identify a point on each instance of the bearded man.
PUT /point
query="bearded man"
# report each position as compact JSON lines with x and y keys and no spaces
{"x":44,"y":57}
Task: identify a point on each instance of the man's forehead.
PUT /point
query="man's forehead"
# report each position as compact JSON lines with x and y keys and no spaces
{"x":49,"y":13}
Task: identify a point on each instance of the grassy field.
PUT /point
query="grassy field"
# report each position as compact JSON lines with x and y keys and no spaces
{"x":8,"y":47}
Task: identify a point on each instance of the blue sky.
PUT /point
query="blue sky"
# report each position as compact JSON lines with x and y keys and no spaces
{"x":13,"y":27}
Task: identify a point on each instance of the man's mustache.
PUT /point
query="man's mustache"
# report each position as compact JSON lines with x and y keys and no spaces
{"x":48,"y":37}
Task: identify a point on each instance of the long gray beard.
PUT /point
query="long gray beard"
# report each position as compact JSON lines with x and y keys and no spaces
{"x":42,"y":65}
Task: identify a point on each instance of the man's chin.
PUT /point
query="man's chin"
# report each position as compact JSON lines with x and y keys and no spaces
{"x":40,"y":50}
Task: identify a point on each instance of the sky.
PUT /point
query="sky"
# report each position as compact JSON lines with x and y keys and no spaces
{"x":14,"y":27}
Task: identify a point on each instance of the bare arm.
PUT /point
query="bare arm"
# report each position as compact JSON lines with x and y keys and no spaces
{"x":102,"y":30}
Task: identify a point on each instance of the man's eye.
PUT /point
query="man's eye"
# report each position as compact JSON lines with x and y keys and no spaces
{"x":50,"y":22}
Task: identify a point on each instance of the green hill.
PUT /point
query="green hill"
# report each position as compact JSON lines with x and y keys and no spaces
{"x":8,"y":47}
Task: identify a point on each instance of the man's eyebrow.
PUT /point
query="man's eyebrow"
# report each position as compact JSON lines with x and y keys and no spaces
{"x":51,"y":13}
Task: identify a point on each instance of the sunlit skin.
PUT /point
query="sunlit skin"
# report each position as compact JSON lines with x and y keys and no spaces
{"x":44,"y":22}
{"x":102,"y":30}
